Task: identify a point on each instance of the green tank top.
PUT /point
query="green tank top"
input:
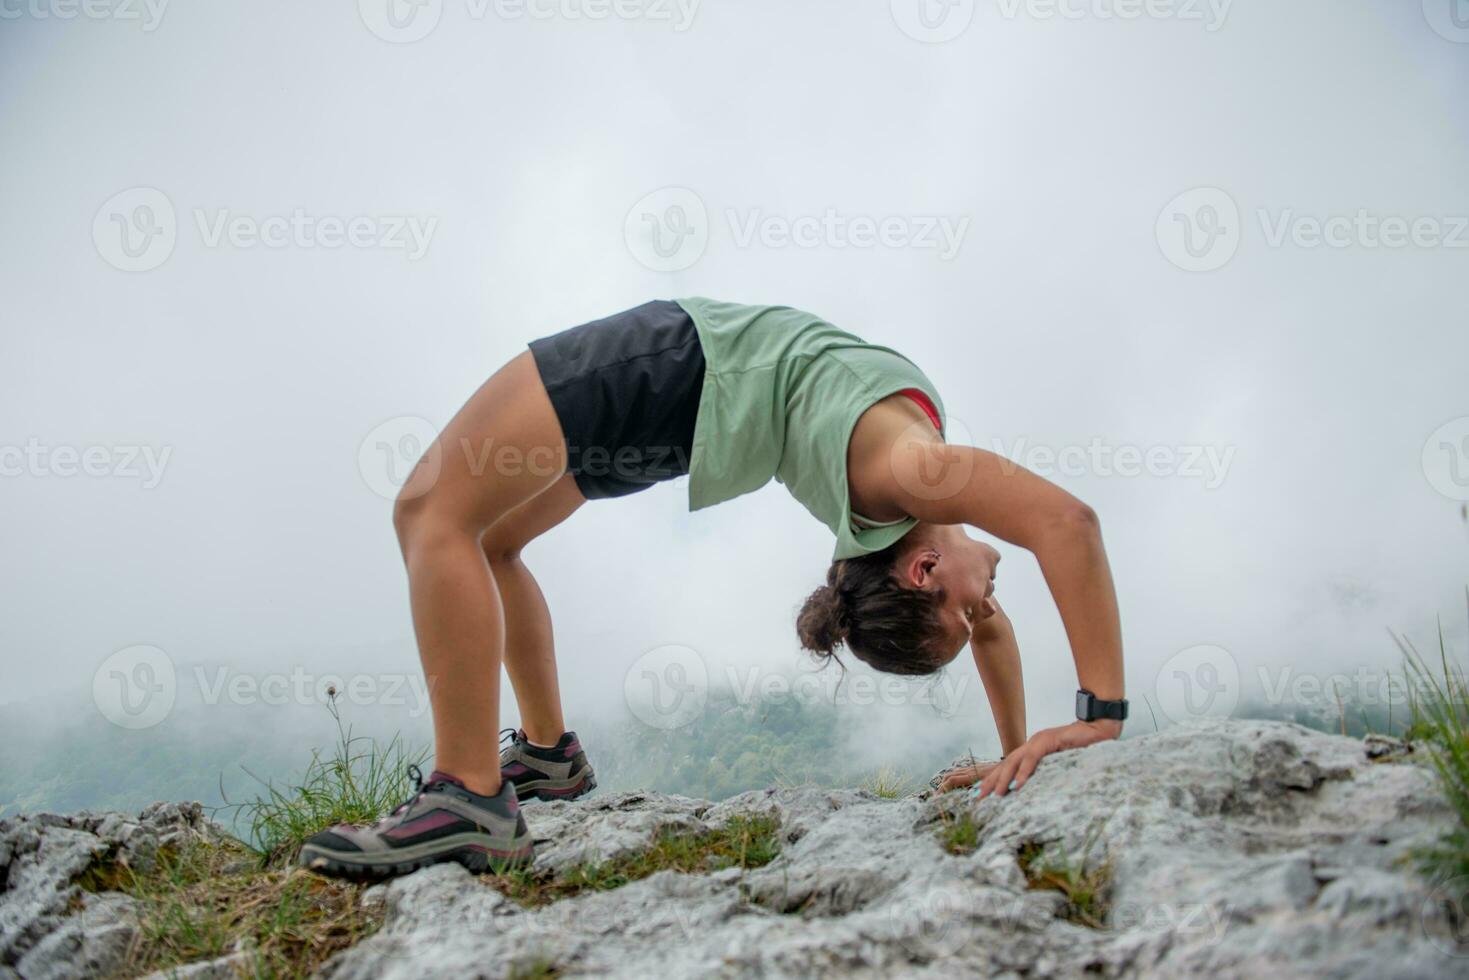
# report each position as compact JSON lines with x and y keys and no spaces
{"x":782,"y":392}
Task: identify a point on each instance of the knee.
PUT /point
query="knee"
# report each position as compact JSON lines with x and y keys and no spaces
{"x":501,"y":548}
{"x":423,"y":523}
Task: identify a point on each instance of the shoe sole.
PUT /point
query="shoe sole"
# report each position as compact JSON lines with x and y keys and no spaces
{"x":557,"y":789}
{"x":476,"y":852}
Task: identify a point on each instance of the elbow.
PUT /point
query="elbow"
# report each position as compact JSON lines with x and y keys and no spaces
{"x":1081,"y":518}
{"x":1073,"y":523}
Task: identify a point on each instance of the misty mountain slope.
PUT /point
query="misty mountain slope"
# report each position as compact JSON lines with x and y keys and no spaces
{"x":1221,"y":850}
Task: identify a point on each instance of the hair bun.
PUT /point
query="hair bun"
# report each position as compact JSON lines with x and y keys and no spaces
{"x":822,"y":624}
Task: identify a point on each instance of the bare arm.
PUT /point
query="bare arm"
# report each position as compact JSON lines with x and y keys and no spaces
{"x":997,"y":656}
{"x":946,"y":484}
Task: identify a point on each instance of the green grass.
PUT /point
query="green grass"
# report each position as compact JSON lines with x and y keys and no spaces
{"x":959,"y":834}
{"x":887,"y":784}
{"x":534,"y":968}
{"x":1084,"y":883}
{"x":213,"y":897}
{"x":208,"y":899}
{"x":359,"y":781}
{"x":1439,"y":719}
{"x":743,"y":842}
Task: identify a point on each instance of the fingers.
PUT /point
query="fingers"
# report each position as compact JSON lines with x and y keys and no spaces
{"x":1012,"y":766}
{"x":962,"y":776}
{"x":998,"y":780}
{"x":1027,"y":766}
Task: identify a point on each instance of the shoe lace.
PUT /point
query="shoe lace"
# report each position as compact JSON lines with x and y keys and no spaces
{"x":418,"y":789}
{"x":511,"y":735}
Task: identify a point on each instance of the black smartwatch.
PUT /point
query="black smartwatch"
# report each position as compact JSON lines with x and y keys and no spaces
{"x":1091,"y":708}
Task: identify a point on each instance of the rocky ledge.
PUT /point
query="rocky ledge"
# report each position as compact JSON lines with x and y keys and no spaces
{"x":1238,"y":849}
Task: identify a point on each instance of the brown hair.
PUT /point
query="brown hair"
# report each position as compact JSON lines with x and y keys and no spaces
{"x":890,"y":627}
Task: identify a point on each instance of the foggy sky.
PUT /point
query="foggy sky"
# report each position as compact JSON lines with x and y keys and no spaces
{"x":1321,"y":372}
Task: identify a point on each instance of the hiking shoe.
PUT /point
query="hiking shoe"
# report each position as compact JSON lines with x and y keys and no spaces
{"x":442,"y":821}
{"x":558,"y":773}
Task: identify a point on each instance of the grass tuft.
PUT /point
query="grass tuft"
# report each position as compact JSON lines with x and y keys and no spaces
{"x":887,"y":784}
{"x":743,"y":842}
{"x":1439,"y":719}
{"x":359,"y":781}
{"x":208,"y":899}
{"x":538,"y":968}
{"x":1083,"y":883}
{"x":960,"y":833}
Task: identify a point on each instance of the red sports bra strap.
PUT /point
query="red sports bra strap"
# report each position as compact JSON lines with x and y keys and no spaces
{"x":925,"y":403}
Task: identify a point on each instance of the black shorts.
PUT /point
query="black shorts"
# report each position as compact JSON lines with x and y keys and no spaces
{"x":626,"y":390}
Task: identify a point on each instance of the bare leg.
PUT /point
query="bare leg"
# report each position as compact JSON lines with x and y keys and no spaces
{"x":530,"y":652}
{"x":462,"y":486}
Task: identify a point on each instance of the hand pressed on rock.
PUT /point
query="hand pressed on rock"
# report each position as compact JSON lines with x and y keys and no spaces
{"x":960,"y":776}
{"x":1018,"y":765}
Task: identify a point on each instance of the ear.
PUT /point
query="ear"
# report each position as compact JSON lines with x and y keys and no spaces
{"x":917,"y":569}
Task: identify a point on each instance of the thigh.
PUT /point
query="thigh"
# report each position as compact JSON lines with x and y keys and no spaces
{"x":522,"y":525}
{"x":501,"y":449}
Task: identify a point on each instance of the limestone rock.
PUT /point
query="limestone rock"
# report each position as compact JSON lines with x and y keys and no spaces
{"x":49,"y":926}
{"x":1236,"y":849}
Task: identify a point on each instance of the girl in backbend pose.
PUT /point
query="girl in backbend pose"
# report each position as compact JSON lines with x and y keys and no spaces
{"x":732,"y":396}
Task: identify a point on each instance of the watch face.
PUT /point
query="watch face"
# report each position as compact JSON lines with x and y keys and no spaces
{"x":1083,"y":705}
